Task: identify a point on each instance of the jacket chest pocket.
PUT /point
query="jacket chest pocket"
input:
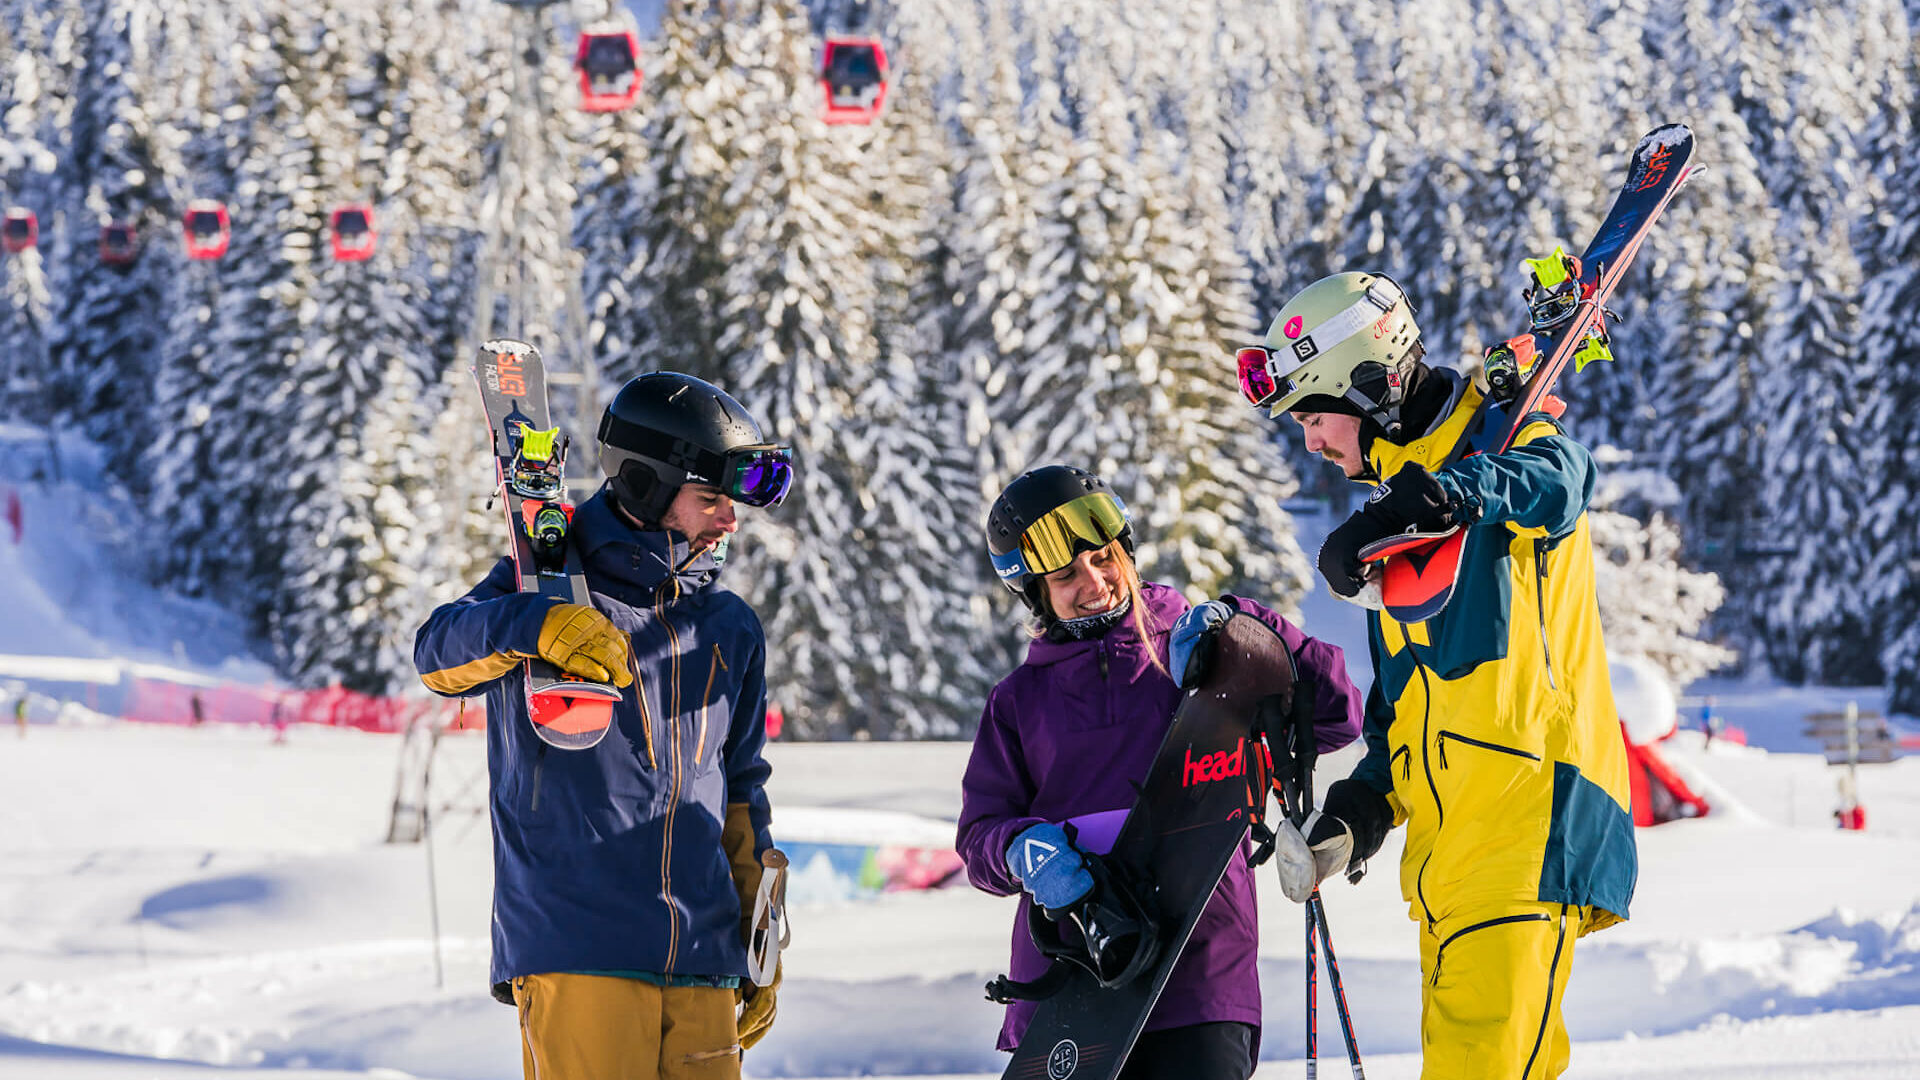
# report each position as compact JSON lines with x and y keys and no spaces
{"x":713,"y":717}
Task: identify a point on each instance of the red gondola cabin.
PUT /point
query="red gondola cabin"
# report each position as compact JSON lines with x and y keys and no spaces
{"x":353,"y":235}
{"x":609,"y":65}
{"x":853,"y":80}
{"x":119,"y":243}
{"x":21,"y":229}
{"x":207,"y":229}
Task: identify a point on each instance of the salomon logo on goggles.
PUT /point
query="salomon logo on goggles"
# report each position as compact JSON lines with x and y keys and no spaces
{"x":1088,"y":523}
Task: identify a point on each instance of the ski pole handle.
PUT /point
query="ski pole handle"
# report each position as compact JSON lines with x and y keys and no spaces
{"x":771,"y":932}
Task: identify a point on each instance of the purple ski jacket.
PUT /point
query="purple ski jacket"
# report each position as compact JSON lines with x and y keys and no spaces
{"x":1067,"y":733}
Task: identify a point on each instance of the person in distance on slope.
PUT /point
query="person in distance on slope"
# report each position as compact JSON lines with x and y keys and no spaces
{"x":1069,"y":732}
{"x":1490,"y":727}
{"x":624,"y":875}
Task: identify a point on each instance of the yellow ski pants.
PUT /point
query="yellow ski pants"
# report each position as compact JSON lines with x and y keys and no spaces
{"x":1490,"y":991}
{"x":601,"y":1027}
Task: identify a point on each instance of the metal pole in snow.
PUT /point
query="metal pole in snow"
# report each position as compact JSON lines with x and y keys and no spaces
{"x":433,"y":885}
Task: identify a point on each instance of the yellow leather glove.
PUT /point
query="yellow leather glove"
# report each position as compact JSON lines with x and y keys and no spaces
{"x":757,"y":1009}
{"x":581,"y":641}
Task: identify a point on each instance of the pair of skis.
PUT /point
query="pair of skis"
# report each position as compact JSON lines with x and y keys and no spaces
{"x":568,"y":712}
{"x":1567,"y":302}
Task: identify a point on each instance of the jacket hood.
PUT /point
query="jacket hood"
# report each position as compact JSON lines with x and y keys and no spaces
{"x":636,"y":563}
{"x":1164,"y":605}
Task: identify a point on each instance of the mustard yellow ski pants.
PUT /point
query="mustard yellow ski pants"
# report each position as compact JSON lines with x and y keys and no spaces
{"x":1492,"y":980}
{"x":600,"y":1027}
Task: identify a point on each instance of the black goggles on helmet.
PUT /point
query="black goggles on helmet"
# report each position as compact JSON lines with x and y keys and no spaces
{"x":1087,"y":523}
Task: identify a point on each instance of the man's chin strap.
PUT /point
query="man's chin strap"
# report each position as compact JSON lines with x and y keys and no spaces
{"x":1089,"y":626}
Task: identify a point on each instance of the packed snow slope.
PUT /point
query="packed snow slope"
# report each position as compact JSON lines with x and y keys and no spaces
{"x":210,"y":898}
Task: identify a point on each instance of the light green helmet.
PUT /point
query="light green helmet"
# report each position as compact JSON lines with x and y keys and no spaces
{"x":1346,"y":343}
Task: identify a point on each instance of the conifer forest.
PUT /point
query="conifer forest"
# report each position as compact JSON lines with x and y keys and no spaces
{"x":1043,"y":247}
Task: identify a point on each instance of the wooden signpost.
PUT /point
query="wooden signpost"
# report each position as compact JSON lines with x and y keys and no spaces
{"x":1852,"y":738}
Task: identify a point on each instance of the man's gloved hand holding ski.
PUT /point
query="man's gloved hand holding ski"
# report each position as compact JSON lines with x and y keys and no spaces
{"x":581,"y":641}
{"x":1190,"y":645}
{"x":1342,"y":835}
{"x":1414,"y":499}
{"x":1049,"y":867}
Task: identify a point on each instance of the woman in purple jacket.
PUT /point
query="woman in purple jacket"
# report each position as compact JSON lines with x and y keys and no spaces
{"x":1069,"y":731}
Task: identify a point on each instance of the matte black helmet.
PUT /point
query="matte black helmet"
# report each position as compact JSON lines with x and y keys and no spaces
{"x":1045,"y":518}
{"x":664,"y":430}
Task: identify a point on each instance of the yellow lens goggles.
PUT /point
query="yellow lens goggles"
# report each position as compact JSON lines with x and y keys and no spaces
{"x":1050,"y":543}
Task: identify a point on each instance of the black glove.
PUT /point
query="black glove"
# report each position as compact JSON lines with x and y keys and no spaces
{"x":1413,"y":499}
{"x":1353,"y":805}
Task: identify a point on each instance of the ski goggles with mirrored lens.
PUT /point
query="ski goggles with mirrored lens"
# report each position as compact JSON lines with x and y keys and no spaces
{"x":757,"y":475}
{"x":1259,"y":379}
{"x":1087,"y":523}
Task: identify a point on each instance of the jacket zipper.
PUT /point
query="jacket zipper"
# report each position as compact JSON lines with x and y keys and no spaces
{"x":1496,"y":747}
{"x":1426,"y":765}
{"x":673,"y":761}
{"x":1540,"y":606}
{"x":1100,"y":650}
{"x":706,"y":702}
{"x":1441,"y":952}
{"x":1406,"y":767}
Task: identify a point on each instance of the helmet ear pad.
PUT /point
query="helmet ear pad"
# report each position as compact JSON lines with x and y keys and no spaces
{"x":642,"y":491}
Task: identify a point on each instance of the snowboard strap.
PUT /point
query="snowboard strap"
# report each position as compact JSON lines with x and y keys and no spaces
{"x":1006,"y":991}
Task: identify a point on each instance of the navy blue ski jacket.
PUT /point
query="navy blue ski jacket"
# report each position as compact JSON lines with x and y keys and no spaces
{"x":612,"y":859}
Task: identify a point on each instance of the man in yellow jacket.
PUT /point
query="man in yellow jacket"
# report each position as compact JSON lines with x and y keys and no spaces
{"x":1490,"y":728}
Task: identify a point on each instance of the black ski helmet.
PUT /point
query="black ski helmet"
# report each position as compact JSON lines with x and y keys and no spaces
{"x":1045,"y":518}
{"x":664,"y":430}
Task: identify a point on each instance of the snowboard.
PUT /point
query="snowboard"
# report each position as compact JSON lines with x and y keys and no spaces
{"x":568,"y":712}
{"x":1567,"y":300}
{"x":1207,"y":786}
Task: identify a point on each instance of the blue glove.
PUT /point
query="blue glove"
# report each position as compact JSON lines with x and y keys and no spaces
{"x":1190,"y":648}
{"x":1048,"y":865}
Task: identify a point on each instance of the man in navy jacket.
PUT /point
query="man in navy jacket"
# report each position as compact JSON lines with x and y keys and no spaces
{"x":624,"y":874}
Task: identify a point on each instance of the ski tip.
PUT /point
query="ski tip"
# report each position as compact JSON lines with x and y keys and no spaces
{"x":508,"y":346}
{"x":1667,"y":135}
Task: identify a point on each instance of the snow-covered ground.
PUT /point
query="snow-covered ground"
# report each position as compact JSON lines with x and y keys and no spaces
{"x":207,"y":896}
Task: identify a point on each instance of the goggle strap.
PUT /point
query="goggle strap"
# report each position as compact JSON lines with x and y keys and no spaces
{"x":1380,"y":297}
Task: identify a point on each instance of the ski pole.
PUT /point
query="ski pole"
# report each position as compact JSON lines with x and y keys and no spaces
{"x":1313,"y":1004}
{"x":1317,"y":912}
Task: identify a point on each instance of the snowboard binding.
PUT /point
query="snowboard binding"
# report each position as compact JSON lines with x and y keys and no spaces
{"x":1113,"y":934}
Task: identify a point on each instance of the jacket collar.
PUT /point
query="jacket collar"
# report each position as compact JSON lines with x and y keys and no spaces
{"x":1164,"y":605}
{"x":1430,"y":448}
{"x":637,"y":561}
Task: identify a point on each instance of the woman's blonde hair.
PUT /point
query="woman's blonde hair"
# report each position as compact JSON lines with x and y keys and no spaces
{"x":1144,"y":624}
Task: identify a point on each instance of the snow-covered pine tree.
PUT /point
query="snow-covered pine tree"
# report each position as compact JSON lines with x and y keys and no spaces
{"x":430,"y":63}
{"x":795,"y":331}
{"x":111,"y":317}
{"x":925,"y":499}
{"x":1220,"y":514}
{"x":1810,"y":610}
{"x":1424,"y":109}
{"x":657,"y":215}
{"x":1120,"y":361}
{"x":225,"y":381}
{"x":26,"y":301}
{"x":1651,"y":605}
{"x":1889,"y":418}
{"x":355,"y":486}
